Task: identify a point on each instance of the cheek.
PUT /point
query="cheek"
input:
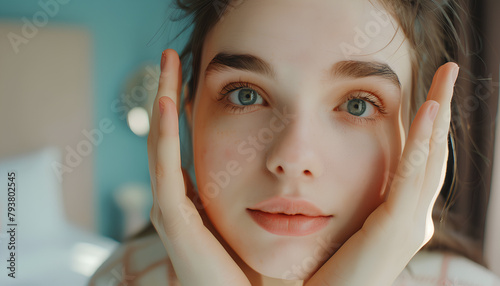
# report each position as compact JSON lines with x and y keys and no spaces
{"x":215,"y":164}
{"x":224,"y":142}
{"x":363,"y":172}
{"x":218,"y":164}
{"x":363,"y":166}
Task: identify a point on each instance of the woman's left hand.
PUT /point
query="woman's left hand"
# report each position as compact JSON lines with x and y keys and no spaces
{"x":402,"y":225}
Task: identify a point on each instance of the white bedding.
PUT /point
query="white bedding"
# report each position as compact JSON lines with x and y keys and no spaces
{"x":48,"y":249}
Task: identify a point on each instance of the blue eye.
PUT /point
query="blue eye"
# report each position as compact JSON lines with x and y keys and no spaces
{"x":360,"y":107}
{"x":240,"y":97}
{"x":360,"y":104}
{"x":245,"y":96}
{"x":356,"y":106}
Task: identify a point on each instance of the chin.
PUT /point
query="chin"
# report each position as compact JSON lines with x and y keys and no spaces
{"x":288,"y":262}
{"x":291,"y":272}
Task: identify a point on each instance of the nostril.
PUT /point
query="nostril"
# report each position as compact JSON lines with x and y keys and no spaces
{"x":280,"y":169}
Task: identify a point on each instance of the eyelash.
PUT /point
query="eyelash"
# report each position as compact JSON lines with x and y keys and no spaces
{"x":367,"y":95}
{"x":230,"y":87}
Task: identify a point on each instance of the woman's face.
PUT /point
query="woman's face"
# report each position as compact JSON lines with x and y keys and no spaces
{"x":318,"y":121}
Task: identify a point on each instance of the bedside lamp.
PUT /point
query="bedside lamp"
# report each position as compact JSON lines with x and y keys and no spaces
{"x":139,"y":96}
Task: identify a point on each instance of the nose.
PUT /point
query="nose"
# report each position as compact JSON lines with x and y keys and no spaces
{"x":294,"y":152}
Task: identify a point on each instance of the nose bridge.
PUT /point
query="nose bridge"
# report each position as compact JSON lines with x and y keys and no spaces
{"x":293,"y":152}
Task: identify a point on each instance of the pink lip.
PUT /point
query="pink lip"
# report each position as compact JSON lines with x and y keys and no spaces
{"x":283,"y":216}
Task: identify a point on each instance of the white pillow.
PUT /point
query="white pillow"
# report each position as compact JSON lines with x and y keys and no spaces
{"x":39,"y":211}
{"x":49,"y":249}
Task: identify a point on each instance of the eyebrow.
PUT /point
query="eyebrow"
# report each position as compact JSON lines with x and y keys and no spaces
{"x":357,"y":69}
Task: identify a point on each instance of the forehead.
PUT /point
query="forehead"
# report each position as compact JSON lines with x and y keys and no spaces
{"x":305,"y":37}
{"x":309,"y":31}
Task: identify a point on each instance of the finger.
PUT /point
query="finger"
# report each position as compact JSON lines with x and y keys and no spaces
{"x":169,"y":177}
{"x":169,"y":85}
{"x":407,"y":183}
{"x":438,"y":154}
{"x":433,"y":83}
{"x":442,"y":91}
{"x":170,"y":77}
{"x":168,"y":82}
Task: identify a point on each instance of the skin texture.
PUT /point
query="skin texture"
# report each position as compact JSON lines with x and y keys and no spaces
{"x":348,"y":161}
{"x":351,"y":169}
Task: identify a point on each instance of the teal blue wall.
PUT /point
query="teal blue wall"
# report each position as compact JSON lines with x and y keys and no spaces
{"x":126,"y":34}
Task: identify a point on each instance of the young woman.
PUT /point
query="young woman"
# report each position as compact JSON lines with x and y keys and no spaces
{"x":312,"y":165}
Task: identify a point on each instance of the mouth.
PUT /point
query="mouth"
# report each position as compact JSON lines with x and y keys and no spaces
{"x":288,"y":224}
{"x":287,"y":217}
{"x":288,"y":206}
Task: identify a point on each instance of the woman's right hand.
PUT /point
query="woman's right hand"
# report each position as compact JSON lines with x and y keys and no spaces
{"x":197,"y":256}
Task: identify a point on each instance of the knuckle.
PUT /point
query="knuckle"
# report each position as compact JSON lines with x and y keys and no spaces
{"x":151,"y":216}
{"x":153,"y":219}
{"x":159,"y":172}
{"x":154,"y":210}
{"x":175,"y":229}
{"x":155,"y":215}
{"x":164,"y":75}
{"x":417,"y":180}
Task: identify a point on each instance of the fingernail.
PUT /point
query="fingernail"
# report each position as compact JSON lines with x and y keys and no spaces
{"x":161,"y":104}
{"x":433,"y":110}
{"x":163,"y":60}
{"x":454,"y":74}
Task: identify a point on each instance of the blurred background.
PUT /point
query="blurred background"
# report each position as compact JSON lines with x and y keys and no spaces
{"x":76,"y":83}
{"x":76,"y":78}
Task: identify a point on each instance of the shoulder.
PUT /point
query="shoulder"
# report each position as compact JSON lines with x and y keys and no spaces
{"x":431,"y":268}
{"x":143,"y":261}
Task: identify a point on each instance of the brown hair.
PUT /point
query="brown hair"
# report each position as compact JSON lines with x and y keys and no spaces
{"x":434,"y":29}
